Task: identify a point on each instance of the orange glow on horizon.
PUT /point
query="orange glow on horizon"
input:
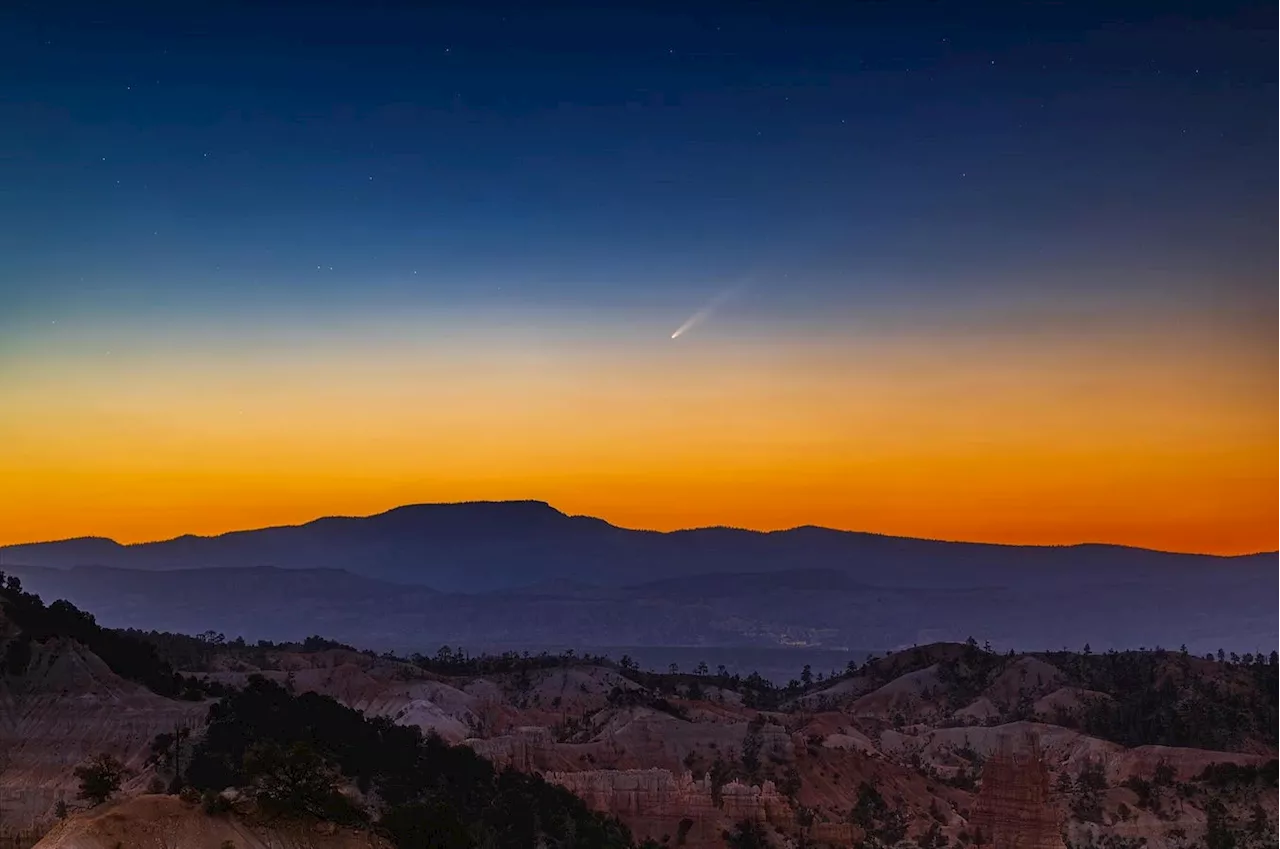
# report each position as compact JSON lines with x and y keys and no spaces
{"x":1142,"y":440}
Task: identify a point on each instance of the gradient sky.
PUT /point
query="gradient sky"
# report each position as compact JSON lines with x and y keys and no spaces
{"x":976,"y":271}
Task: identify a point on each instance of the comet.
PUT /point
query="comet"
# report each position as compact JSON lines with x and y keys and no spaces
{"x":707,"y":309}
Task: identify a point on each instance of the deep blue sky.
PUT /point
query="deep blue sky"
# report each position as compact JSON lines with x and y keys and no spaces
{"x":219,"y":152}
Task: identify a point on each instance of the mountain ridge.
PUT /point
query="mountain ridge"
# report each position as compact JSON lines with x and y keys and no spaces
{"x":419,"y":506}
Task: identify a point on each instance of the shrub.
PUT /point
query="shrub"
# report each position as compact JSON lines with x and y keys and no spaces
{"x":215,"y":804}
{"x":100,"y":778}
{"x":747,"y":834}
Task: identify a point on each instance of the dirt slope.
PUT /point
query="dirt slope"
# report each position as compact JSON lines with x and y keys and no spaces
{"x":165,"y":822}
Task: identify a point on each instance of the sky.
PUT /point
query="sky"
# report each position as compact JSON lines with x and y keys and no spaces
{"x":999,"y":272}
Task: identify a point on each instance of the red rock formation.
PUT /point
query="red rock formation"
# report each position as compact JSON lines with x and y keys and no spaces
{"x":1014,"y":809}
{"x":654,"y":801}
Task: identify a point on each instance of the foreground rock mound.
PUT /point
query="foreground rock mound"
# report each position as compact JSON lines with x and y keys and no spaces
{"x":164,"y":822}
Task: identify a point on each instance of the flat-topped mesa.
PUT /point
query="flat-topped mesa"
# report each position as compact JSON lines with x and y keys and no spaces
{"x":1014,"y":809}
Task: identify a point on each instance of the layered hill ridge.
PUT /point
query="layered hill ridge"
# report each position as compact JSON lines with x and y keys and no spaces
{"x":523,"y":573}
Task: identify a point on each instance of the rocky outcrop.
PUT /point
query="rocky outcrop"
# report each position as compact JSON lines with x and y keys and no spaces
{"x":658,"y":791}
{"x":654,"y":801}
{"x":1014,"y":809}
{"x":523,"y":749}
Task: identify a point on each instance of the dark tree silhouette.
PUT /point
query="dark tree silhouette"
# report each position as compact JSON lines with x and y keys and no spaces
{"x":747,"y":834}
{"x":292,"y":751}
{"x":100,"y":778}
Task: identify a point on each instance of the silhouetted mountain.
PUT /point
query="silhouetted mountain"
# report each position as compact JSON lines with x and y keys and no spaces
{"x":482,"y":546}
